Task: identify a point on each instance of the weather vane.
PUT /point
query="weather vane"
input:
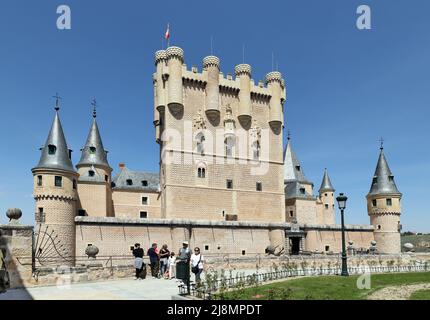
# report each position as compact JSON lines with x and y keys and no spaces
{"x":381,"y":141}
{"x":94,"y":104}
{"x":57,"y":101}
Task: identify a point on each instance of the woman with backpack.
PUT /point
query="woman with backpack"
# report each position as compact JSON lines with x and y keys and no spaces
{"x":197,"y":264}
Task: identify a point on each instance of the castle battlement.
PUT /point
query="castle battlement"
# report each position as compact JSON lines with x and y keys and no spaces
{"x":211,"y":73}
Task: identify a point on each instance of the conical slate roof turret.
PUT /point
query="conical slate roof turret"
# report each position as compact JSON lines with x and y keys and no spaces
{"x":326,"y":183}
{"x":55,"y":153}
{"x":383,"y":179}
{"x":93,"y":153}
{"x":292,"y":169}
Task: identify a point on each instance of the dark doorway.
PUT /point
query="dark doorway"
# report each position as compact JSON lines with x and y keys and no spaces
{"x":295,"y":245}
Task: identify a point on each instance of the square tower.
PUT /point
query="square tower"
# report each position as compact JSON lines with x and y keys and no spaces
{"x":220,"y":141}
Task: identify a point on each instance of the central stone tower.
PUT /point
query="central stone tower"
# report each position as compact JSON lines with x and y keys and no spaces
{"x":220,"y":140}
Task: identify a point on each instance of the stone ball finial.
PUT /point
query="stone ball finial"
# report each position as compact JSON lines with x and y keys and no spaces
{"x":175,"y":52}
{"x":373,"y":243}
{"x":211,"y":61}
{"x":160,"y":55}
{"x":91,"y":251}
{"x":14,"y":214}
{"x":243,"y":69}
{"x":274,"y":76}
{"x":408,"y":246}
{"x":351,"y":242}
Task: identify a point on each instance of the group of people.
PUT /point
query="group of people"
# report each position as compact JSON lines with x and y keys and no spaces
{"x":163,"y":263}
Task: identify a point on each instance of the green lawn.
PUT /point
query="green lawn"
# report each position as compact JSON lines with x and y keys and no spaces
{"x":325,"y":288}
{"x":421,"y":295}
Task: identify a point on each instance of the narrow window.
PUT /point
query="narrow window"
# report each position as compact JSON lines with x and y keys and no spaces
{"x":206,"y":247}
{"x":200,"y":138}
{"x":302,"y":191}
{"x":91,"y":173}
{"x":74,"y":184}
{"x":129,"y":182}
{"x":203,"y":173}
{"x":298,"y":168}
{"x":259,"y":186}
{"x":199,"y":172}
{"x":143,"y":214}
{"x":92,"y":150}
{"x":106,"y":178}
{"x":70,"y":154}
{"x":229,"y":184}
{"x":39,"y":181}
{"x":243,"y":252}
{"x":229,"y":144}
{"x":40,"y":215}
{"x":374,"y":202}
{"x":52,"y":149}
{"x":144,"y":200}
{"x":391,"y":178}
{"x":389,"y":202}
{"x":291,"y":213}
{"x":327,"y":248}
{"x":58,"y":181}
{"x":375,"y":180}
{"x":379,"y":227}
{"x":144,"y":183}
{"x":256,"y":150}
{"x":326,"y":206}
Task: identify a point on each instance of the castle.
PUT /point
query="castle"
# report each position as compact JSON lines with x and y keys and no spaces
{"x":225,"y":183}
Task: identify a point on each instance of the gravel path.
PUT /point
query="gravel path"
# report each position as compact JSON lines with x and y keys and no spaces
{"x":397,"y":292}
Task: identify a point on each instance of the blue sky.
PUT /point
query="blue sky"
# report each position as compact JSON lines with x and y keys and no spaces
{"x":346,"y":87}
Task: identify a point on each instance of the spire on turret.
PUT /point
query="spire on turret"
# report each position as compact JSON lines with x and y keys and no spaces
{"x":55,"y":153}
{"x":383,"y":179}
{"x":326,"y":183}
{"x":93,"y":153}
{"x":292,"y":169}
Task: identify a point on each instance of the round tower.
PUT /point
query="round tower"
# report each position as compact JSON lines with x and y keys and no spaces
{"x":326,"y":194}
{"x":212,"y":65}
{"x":243,"y":72}
{"x":175,"y":59}
{"x":274,"y":84}
{"x":383,"y":207}
{"x":160,"y":95}
{"x":55,"y":184}
{"x":95,"y":175}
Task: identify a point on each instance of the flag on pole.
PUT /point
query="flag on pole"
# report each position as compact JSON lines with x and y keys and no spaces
{"x":167,"y":34}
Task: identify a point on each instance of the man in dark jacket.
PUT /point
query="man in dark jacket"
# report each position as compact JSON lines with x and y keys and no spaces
{"x":138,"y":259}
{"x":154,"y":260}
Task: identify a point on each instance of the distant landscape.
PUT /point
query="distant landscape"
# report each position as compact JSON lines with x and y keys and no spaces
{"x":421,"y":241}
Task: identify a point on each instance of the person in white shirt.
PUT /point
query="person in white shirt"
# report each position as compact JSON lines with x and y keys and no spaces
{"x":171,"y":264}
{"x":197,"y":261}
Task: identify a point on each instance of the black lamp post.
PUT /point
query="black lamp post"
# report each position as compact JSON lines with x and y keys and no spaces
{"x":341,"y":200}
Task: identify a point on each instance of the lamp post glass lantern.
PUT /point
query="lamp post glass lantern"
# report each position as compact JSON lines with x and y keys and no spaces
{"x":341,"y":200}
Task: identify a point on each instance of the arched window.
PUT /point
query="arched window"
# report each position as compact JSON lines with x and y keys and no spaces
{"x":200,"y":139}
{"x":256,"y":150}
{"x":52,"y":149}
{"x":229,"y":146}
{"x":201,"y":171}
